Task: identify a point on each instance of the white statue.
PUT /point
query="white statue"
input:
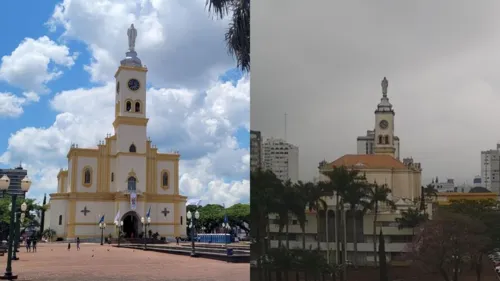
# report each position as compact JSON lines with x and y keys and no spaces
{"x":132,"y":34}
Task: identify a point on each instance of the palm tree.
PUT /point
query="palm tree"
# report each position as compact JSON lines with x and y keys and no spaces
{"x":310,"y":199}
{"x":238,"y":34}
{"x":340,"y":180}
{"x":376,"y":196}
{"x":265,"y":185}
{"x":411,"y":218}
{"x":354,"y":196}
{"x":315,"y":202}
{"x":427,"y":193}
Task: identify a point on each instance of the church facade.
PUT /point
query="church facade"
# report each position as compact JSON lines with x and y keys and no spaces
{"x":125,"y":176}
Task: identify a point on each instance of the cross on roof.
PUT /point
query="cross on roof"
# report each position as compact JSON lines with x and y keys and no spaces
{"x":85,"y":211}
{"x":165,"y":212}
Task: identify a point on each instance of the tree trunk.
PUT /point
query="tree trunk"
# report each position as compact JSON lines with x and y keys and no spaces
{"x":344,"y":243}
{"x":304,"y":238}
{"x":337,"y":228}
{"x":479,"y":267}
{"x":355,"y":238}
{"x":287,"y":233}
{"x":327,"y":237}
{"x":375,"y":233}
{"x":318,"y":228}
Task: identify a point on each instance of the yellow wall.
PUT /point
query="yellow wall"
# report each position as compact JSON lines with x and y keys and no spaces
{"x":444,"y":198}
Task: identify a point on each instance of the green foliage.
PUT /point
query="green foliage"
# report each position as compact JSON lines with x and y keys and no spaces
{"x":212,"y":216}
{"x":411,"y":218}
{"x":49,"y":233}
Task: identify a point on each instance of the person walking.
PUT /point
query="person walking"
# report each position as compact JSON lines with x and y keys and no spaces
{"x":27,"y":245}
{"x":34,"y":244}
{"x":69,"y":246}
{"x":78,"y":243}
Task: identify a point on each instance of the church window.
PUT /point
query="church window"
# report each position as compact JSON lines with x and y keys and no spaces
{"x":112,"y":177}
{"x":137,"y":106}
{"x":87,"y":176}
{"x":60,"y":219}
{"x":164,"y":179}
{"x":131,"y":183}
{"x":380,"y":139}
{"x":132,"y":148}
{"x":386,"y":139}
{"x":128,"y":106}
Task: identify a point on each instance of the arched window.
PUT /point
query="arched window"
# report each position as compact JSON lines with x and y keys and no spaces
{"x":132,"y":148}
{"x":128,"y":106}
{"x":386,"y":139}
{"x":380,"y":139}
{"x":131,"y":183}
{"x":112,"y":177}
{"x":164,"y":179}
{"x":60,"y":219}
{"x":87,"y":176}
{"x":137,"y":106}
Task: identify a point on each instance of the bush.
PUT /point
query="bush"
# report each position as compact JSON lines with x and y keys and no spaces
{"x":59,"y":239}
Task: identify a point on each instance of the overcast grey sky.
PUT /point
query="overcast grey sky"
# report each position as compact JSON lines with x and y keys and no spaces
{"x":321,"y":62}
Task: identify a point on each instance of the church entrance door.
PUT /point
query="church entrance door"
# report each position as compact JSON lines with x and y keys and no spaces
{"x":130,"y":224}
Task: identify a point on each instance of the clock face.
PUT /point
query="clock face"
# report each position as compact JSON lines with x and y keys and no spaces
{"x":117,"y":87}
{"x":383,"y":124}
{"x":133,"y":84}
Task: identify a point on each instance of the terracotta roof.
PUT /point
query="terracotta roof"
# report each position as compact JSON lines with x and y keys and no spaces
{"x":369,"y":161}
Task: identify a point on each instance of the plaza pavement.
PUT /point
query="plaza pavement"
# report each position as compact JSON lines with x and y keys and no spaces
{"x":95,"y":263}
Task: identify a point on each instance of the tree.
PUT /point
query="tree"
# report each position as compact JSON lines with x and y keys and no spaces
{"x":354,"y":196}
{"x":49,"y":234}
{"x":411,"y":218}
{"x":238,"y":34}
{"x":382,"y":257}
{"x":312,"y":194}
{"x":42,"y":218}
{"x":377,"y":195}
{"x":239,"y":214}
{"x":447,"y":243}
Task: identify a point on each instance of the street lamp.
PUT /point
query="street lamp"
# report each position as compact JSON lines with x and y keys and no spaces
{"x":4,"y":189}
{"x":102,"y":226}
{"x":146,"y":222}
{"x":17,"y":230}
{"x":119,"y":224}
{"x":192,"y":225}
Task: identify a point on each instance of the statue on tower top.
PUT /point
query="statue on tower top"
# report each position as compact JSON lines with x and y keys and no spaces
{"x":132,"y":34}
{"x":385,"y":85}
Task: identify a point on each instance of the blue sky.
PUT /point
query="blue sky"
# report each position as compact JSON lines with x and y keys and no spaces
{"x":95,"y":58}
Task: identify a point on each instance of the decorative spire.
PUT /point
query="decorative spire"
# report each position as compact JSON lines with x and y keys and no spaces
{"x":384,"y":105}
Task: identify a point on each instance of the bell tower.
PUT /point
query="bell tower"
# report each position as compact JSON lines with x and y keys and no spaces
{"x":384,"y":142}
{"x":130,"y":99}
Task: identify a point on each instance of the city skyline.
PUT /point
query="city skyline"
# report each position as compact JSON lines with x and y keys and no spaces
{"x":445,"y":91}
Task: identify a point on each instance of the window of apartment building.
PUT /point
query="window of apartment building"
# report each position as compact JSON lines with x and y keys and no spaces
{"x":401,"y":238}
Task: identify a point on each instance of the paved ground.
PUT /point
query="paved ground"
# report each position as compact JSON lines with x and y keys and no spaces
{"x":94,"y":262}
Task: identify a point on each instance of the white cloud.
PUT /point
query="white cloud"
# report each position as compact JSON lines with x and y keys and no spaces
{"x":179,"y":41}
{"x":11,"y":106}
{"x":200,"y":125}
{"x":34,"y":63}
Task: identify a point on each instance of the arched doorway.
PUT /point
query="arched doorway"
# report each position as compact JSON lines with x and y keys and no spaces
{"x":130,"y":224}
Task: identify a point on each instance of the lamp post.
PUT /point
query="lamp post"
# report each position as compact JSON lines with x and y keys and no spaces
{"x":4,"y":189}
{"x":102,"y":226}
{"x":192,"y":225}
{"x":19,"y":216}
{"x":146,"y":222}
{"x":119,"y":224}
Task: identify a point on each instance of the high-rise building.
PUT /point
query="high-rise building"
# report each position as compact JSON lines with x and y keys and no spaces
{"x":281,"y":158}
{"x":255,"y":150}
{"x":490,"y":169}
{"x":15,"y":175}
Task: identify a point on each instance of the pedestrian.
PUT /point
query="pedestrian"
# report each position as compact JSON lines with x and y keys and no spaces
{"x":177,"y":239}
{"x":34,"y":244}
{"x":78,"y":243}
{"x":29,"y":245}
{"x":69,"y":246}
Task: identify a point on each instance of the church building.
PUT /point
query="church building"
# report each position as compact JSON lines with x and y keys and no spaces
{"x":380,"y":161}
{"x":125,"y":178}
